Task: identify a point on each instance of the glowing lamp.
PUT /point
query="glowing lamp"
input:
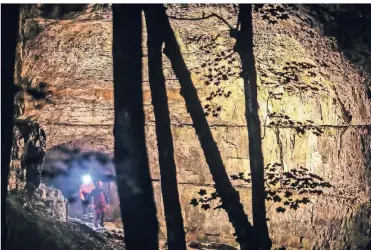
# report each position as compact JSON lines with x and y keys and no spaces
{"x":86,"y":179}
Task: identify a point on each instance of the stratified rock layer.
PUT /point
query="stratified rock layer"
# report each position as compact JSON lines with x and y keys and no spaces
{"x":27,"y":156}
{"x":53,"y":201}
{"x":73,"y":56}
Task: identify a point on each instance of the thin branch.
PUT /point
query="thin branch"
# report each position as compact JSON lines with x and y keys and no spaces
{"x":269,"y":208}
{"x":191,"y":19}
{"x":266,"y":118}
{"x":203,"y":18}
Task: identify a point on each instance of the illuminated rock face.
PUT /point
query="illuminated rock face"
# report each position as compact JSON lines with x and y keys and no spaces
{"x":73,"y":56}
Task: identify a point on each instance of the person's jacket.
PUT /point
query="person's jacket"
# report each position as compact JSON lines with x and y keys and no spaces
{"x":85,"y":190}
{"x":100,"y":198}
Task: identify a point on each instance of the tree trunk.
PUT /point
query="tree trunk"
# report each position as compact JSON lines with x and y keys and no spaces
{"x":229,"y":196}
{"x":9,"y":28}
{"x":173,"y":213}
{"x":244,"y":46}
{"x":133,"y":177}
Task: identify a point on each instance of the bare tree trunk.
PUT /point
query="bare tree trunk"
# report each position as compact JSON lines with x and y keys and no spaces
{"x":229,"y":196}
{"x":244,"y":46}
{"x":9,"y":28}
{"x":133,"y":176}
{"x":173,"y":213}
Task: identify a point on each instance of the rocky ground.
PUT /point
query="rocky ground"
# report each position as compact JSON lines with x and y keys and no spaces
{"x":32,"y":226}
{"x":110,"y":231}
{"x":35,"y":225}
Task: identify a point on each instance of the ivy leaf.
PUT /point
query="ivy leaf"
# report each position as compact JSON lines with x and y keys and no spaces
{"x":280,"y":209}
{"x":202,"y":192}
{"x":219,"y":207}
{"x":276,"y":198}
{"x":205,"y":206}
{"x":294,"y":206}
{"x":288,"y":194}
{"x":234,"y":177}
{"x":214,"y":195}
{"x":305,"y":200}
{"x":194,"y":202}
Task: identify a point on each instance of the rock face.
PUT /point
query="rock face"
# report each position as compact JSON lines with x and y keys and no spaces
{"x":317,"y":86}
{"x":28,"y":151}
{"x":17,"y":174}
{"x":29,"y":139}
{"x":53,"y":201}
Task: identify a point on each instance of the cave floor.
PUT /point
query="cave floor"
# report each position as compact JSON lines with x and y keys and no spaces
{"x":31,"y":226}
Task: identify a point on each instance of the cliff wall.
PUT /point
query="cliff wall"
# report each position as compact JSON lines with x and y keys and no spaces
{"x":325,"y":90}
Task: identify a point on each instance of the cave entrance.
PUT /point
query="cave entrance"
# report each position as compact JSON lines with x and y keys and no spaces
{"x":66,"y":167}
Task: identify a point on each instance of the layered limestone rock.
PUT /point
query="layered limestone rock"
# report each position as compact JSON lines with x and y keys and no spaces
{"x":73,"y":56}
{"x":29,"y":139}
{"x":27,"y":155}
{"x":53,"y":201}
{"x":17,"y":174}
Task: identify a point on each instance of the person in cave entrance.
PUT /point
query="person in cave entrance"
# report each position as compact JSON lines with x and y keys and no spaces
{"x":86,"y":188}
{"x":100,"y":202}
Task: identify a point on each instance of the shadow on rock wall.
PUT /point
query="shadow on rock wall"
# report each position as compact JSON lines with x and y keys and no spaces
{"x":360,"y":234}
{"x":350,"y":25}
{"x":366,"y":150}
{"x":360,"y":229}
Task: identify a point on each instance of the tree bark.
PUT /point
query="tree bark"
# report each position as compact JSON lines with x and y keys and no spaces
{"x":9,"y":28}
{"x":133,"y":176}
{"x":244,"y":47}
{"x":169,"y":188}
{"x":229,"y":196}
